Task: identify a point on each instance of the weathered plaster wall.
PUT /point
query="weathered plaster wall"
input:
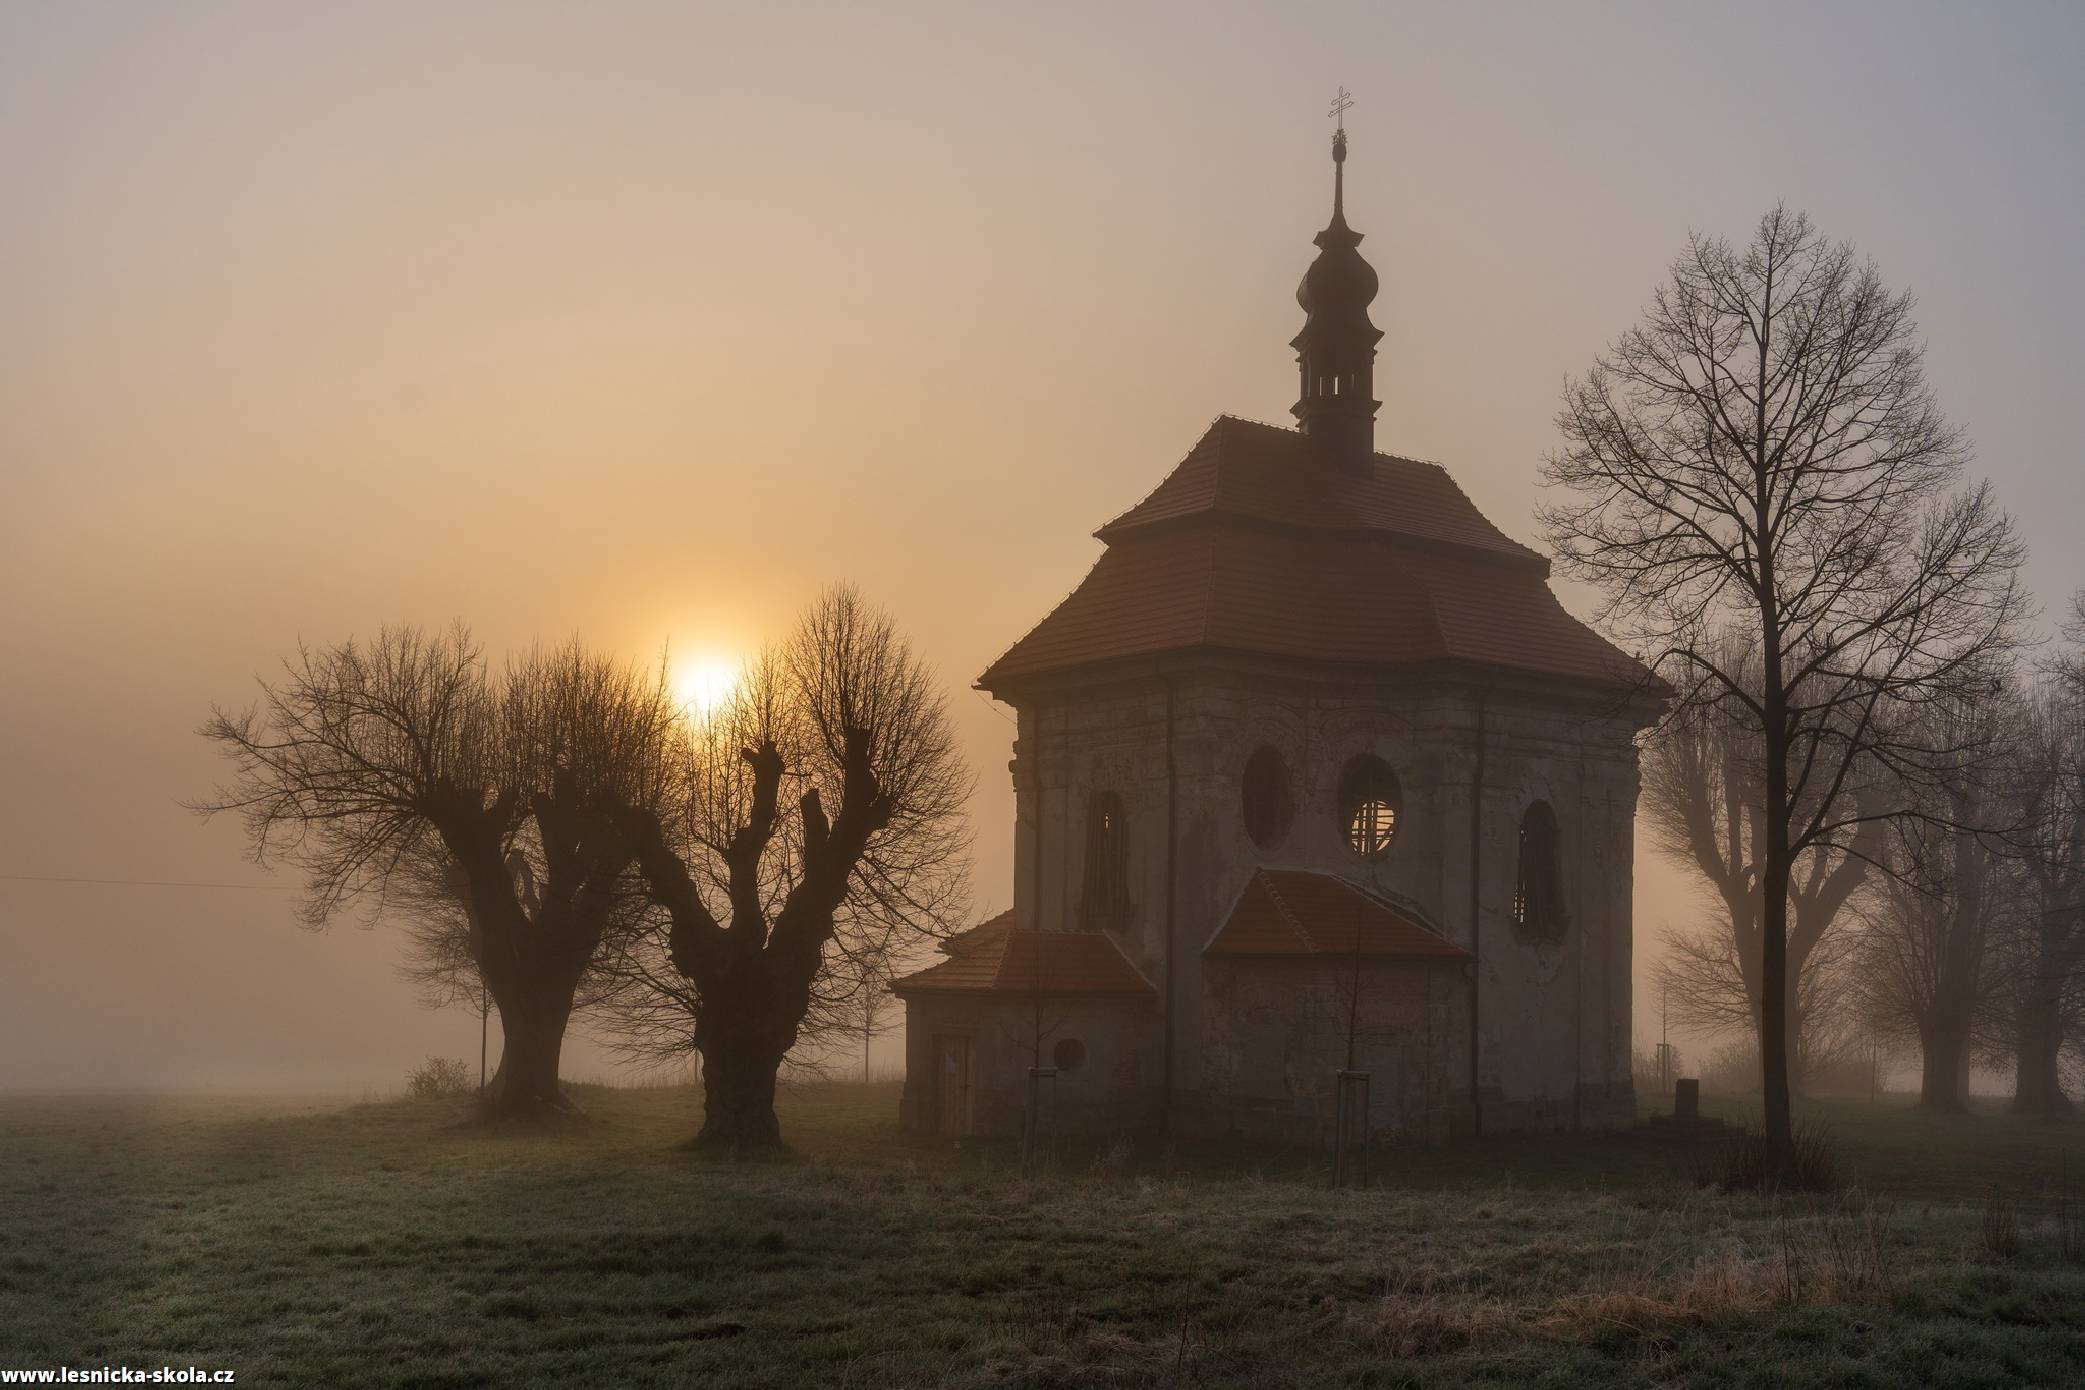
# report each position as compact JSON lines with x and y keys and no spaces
{"x":1554,"y":1016}
{"x":1277,"y":1032}
{"x":1553,"y":1019}
{"x":1114,"y":1088}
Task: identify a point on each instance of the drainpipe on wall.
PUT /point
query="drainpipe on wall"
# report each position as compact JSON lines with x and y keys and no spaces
{"x":1041,"y":791}
{"x":1578,"y":1038}
{"x":1477,"y":900}
{"x":1165,"y":1101}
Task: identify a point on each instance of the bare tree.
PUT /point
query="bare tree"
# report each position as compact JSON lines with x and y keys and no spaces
{"x":434,"y":916}
{"x":432,"y":907}
{"x":1708,"y":985}
{"x":399,"y":775}
{"x":773,"y":921}
{"x":437,"y":957}
{"x":1703,"y":793}
{"x":1926,"y":961}
{"x":877,"y":1009}
{"x":2043,"y":958}
{"x":1762,"y":453}
{"x":644,"y":1011}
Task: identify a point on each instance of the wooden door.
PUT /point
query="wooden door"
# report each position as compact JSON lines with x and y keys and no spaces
{"x":952,"y":1084}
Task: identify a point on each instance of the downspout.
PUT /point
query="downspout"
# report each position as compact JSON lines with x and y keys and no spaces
{"x":1577,"y":1029}
{"x":1165,"y":1110}
{"x":1476,"y":900}
{"x":1041,"y":791}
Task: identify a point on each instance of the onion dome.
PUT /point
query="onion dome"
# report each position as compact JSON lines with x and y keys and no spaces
{"x":1335,"y":352}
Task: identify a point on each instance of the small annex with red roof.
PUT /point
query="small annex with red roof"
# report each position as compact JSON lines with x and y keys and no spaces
{"x":1317,"y":785}
{"x":1295,"y":913}
{"x":999,"y":959}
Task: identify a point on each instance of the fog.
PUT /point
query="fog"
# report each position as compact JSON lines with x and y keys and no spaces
{"x":644,"y":322}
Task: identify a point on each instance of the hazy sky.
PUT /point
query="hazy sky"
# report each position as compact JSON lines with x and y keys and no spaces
{"x":644,"y":321}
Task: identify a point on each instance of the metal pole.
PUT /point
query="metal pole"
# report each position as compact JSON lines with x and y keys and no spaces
{"x":1031,"y":1137}
{"x":1339,"y":1129}
{"x":1343,"y":1112}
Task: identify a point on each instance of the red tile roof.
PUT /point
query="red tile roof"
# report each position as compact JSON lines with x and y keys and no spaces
{"x":1005,"y":959}
{"x":1290,"y":912}
{"x":1245,"y":469}
{"x":1340,"y":599}
{"x":1254,"y":544}
{"x":983,"y":936}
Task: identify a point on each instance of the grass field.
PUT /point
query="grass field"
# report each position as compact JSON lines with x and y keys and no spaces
{"x":395,"y":1244}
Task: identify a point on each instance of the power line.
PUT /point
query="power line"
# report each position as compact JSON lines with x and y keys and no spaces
{"x":146,"y":882}
{"x":993,"y":705}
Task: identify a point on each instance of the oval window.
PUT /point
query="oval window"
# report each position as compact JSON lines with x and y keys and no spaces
{"x":1069,"y":1054}
{"x":1369,"y":801}
{"x":1268,"y":809}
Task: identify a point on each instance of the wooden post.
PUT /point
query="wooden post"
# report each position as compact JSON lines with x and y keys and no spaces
{"x":1347,"y":1086}
{"x":1031,"y":1130}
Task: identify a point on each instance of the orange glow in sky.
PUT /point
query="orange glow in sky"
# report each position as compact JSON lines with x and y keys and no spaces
{"x":644,"y":323}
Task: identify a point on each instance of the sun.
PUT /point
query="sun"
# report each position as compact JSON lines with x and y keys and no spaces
{"x":701,"y":686}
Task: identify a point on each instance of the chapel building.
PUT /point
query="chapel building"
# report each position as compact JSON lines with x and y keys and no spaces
{"x":1314,"y":778}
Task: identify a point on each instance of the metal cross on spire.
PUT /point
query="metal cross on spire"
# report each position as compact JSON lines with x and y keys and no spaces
{"x":1342,"y":100}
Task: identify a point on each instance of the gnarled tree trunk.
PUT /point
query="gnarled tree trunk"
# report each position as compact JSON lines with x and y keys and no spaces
{"x":749,"y":1022}
{"x":739,"y":1067}
{"x":532,"y":1028}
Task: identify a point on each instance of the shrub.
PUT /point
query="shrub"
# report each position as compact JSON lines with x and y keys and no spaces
{"x":1739,"y":1162}
{"x":439,"y":1076}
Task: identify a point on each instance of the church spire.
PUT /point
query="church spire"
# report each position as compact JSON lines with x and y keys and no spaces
{"x":1336,"y":350}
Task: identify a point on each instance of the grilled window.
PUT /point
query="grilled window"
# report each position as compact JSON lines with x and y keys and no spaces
{"x":1268,"y":809}
{"x":1538,"y":890}
{"x":1104,"y":899}
{"x":1369,"y":801}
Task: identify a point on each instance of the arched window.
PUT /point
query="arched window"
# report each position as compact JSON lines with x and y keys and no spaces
{"x":1369,"y":801}
{"x":1104,"y":899}
{"x":1538,"y":890}
{"x":1268,"y":808}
